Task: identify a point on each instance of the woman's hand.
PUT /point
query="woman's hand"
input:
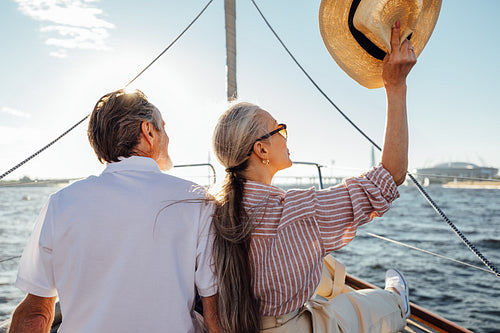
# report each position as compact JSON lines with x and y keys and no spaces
{"x":399,"y":62}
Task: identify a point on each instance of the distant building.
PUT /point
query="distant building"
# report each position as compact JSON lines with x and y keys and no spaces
{"x":455,"y":170}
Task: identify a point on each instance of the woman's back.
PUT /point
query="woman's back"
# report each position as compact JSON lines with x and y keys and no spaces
{"x":294,"y":230}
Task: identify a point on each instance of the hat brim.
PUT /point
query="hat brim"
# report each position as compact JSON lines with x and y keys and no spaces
{"x":350,"y":56}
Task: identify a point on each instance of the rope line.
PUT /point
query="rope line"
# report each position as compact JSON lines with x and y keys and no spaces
{"x":427,"y":252}
{"x":422,"y":191}
{"x":81,"y":121}
{"x":47,"y":146}
{"x":175,"y":40}
{"x":11,"y":258}
{"x":312,"y":81}
{"x":471,"y":246}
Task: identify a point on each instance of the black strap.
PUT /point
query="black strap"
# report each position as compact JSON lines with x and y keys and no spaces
{"x":362,"y":40}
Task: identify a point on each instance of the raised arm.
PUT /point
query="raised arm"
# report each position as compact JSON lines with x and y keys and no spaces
{"x":397,"y":65}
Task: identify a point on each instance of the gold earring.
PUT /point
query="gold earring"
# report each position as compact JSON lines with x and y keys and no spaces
{"x":264,"y":161}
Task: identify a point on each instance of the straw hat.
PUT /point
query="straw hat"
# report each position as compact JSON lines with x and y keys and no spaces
{"x":357,"y":33}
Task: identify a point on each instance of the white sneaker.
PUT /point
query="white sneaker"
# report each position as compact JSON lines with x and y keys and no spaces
{"x":395,"y":279}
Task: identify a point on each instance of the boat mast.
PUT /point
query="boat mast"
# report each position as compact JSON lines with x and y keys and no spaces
{"x":230,"y":14}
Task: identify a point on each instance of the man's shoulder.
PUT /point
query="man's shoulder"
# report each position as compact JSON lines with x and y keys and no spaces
{"x":171,"y":186}
{"x":159,"y":182}
{"x":176,"y":182}
{"x":77,"y":185}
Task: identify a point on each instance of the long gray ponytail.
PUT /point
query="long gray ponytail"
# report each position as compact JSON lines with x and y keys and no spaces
{"x":234,"y":136}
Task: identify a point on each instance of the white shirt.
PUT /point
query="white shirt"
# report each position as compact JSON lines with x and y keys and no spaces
{"x":124,"y":251}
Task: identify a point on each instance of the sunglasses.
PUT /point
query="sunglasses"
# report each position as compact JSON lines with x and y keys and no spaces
{"x":281,"y":130}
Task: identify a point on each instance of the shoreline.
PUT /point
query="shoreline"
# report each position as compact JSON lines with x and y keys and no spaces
{"x":41,"y":182}
{"x":473,"y":185}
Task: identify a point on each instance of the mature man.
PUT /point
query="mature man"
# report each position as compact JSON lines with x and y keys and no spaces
{"x":124,"y":251}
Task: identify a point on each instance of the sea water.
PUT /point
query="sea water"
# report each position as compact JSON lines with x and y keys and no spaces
{"x":467,"y":296}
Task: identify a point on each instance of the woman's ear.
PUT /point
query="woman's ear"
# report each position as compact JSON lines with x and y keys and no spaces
{"x":261,"y":150}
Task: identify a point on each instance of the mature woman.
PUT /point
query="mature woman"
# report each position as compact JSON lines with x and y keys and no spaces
{"x":270,"y":244}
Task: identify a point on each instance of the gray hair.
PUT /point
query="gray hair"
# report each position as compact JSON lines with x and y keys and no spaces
{"x":115,"y":124}
{"x":234,"y":136}
{"x":236,"y":132}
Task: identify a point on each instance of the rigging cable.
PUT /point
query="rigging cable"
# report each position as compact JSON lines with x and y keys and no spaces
{"x":427,"y":252}
{"x":420,"y":188}
{"x":81,"y":121}
{"x":47,"y":146}
{"x":11,"y":258}
{"x":175,"y":40}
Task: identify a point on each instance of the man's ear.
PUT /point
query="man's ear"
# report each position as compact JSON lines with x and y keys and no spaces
{"x":147,"y":131}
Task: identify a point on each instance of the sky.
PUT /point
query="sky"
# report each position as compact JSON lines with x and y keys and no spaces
{"x":59,"y":56}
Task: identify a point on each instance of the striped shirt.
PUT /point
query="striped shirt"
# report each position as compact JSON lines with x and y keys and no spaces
{"x":294,"y":230}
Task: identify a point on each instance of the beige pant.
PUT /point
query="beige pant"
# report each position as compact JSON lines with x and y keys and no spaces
{"x":368,"y":311}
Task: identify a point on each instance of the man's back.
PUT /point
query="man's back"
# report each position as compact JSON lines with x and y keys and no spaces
{"x":125,"y":251}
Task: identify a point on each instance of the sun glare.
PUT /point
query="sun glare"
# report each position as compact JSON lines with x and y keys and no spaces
{"x":130,"y":89}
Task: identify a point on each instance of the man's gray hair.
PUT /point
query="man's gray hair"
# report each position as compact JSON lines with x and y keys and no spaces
{"x":115,"y":124}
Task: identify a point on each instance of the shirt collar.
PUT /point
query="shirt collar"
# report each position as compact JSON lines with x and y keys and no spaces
{"x":133,"y":163}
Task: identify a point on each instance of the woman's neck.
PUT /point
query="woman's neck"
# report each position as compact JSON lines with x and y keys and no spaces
{"x":259,"y":172}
